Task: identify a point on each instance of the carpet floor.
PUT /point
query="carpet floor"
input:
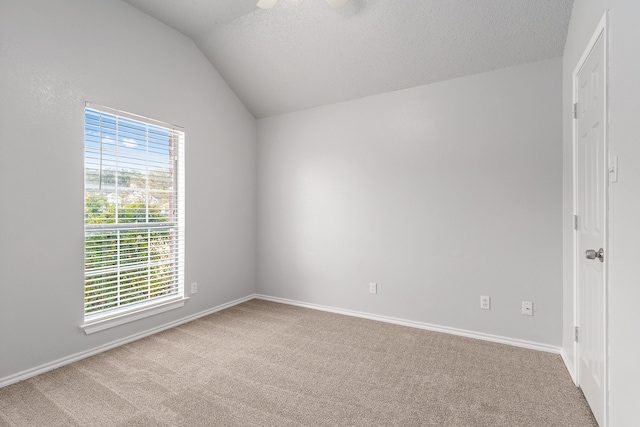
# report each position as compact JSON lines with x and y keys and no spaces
{"x":266,"y":364}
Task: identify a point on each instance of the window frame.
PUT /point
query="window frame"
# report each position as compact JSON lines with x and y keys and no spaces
{"x":132,"y":311}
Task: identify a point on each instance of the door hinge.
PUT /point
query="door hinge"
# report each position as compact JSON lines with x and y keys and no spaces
{"x":575,"y":337}
{"x":575,"y":222}
{"x":575,"y":110}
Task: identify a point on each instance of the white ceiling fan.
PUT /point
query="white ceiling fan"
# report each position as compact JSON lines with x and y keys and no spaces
{"x":268,"y":4}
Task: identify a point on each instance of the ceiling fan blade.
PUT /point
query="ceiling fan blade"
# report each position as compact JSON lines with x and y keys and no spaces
{"x":266,"y":4}
{"x":336,"y":3}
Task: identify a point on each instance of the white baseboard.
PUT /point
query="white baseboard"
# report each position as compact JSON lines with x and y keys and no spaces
{"x":11,"y":379}
{"x":20,"y":376}
{"x":568,"y":363}
{"x":420,"y":325}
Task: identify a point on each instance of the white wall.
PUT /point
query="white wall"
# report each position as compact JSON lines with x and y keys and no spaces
{"x":624,"y":203}
{"x":53,"y":57}
{"x":440,"y":194}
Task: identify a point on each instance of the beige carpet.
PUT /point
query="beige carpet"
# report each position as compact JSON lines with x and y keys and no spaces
{"x":267,"y":364}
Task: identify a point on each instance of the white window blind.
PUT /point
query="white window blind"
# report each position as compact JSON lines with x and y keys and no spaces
{"x":134,"y":212}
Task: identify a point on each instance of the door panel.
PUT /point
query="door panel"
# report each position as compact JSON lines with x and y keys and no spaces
{"x":591,"y":205}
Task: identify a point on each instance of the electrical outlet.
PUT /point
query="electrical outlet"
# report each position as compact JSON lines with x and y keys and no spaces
{"x":373,"y":288}
{"x":485,"y":303}
{"x":527,"y":308}
{"x":194,"y":288}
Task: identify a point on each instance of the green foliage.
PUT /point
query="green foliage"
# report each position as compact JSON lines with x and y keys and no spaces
{"x":125,"y":266}
{"x":98,"y":210}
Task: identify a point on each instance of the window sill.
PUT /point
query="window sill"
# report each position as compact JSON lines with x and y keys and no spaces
{"x":102,"y":323}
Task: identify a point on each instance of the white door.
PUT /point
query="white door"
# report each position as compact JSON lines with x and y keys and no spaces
{"x":591,"y":199}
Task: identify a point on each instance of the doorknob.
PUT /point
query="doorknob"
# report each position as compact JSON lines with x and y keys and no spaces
{"x":591,"y":254}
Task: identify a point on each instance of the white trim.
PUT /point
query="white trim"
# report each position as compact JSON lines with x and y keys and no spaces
{"x":602,"y":29}
{"x":106,"y":322}
{"x":12,"y":379}
{"x":20,"y":376}
{"x":420,"y":325}
{"x":568,"y":363}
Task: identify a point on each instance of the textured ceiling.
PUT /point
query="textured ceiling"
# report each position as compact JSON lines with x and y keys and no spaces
{"x":303,"y":54}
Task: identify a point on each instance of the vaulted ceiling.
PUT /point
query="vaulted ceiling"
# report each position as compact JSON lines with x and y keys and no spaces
{"x":303,"y":54}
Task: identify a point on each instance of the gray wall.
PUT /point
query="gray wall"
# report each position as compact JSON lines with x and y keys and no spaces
{"x":439,"y":193}
{"x":54,"y":56}
{"x":624,"y":202}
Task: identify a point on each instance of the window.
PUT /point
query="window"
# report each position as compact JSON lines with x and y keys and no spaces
{"x":134,"y":217}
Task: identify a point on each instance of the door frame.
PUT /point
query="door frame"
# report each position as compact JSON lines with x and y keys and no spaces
{"x":601,"y":29}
